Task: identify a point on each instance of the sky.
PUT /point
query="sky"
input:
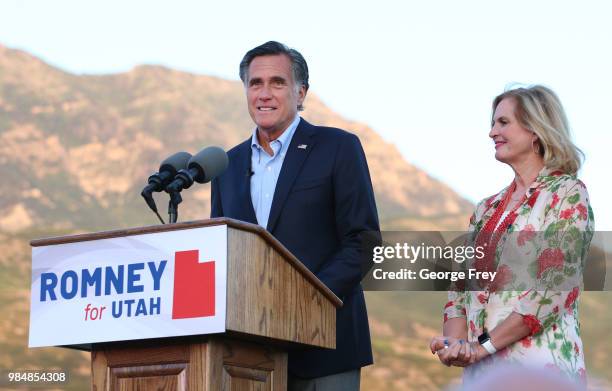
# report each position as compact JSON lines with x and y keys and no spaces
{"x":420,"y":73}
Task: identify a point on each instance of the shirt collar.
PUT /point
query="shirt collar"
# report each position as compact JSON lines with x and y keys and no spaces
{"x":284,"y":139}
{"x":542,"y":178}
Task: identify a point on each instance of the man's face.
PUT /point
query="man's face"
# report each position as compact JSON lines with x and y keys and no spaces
{"x":272,"y":94}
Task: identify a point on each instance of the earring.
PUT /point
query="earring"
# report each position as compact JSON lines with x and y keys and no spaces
{"x":535,"y":146}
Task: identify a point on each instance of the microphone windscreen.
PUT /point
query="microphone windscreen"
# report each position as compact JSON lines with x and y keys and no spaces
{"x":210,"y":162}
{"x":176,"y":162}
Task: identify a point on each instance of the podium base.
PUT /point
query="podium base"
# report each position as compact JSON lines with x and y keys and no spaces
{"x":219,"y":363}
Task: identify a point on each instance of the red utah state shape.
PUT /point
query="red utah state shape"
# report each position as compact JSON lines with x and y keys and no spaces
{"x":194,"y":286}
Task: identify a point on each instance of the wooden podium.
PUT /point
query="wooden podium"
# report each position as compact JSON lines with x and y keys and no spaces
{"x":274,"y":303}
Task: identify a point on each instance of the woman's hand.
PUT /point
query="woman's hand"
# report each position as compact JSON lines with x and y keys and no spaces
{"x":441,"y":342}
{"x":472,"y":353}
{"x":457,"y":352}
{"x":447,"y":348}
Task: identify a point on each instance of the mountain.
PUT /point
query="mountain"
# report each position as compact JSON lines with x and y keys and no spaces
{"x":75,"y":151}
{"x":78,"y":149}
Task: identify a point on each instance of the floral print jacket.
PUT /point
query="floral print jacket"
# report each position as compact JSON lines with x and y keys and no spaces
{"x":548,"y":243}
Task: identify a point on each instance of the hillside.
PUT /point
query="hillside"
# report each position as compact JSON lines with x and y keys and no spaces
{"x":73,"y":146}
{"x":75,"y":151}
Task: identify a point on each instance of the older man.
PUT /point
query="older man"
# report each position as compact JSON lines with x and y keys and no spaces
{"x":310,"y":187}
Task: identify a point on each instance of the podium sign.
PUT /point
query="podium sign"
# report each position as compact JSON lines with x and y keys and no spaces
{"x":153,"y":285}
{"x":231,"y":284}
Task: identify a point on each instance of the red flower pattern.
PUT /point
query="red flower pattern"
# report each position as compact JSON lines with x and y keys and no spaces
{"x":567,"y":213}
{"x":526,"y":342}
{"x":569,"y":200}
{"x":532,"y":199}
{"x":582,"y":211}
{"x":551,"y":258}
{"x":571,"y":298}
{"x":533,"y":323}
{"x":526,"y":235}
{"x":555,"y":201}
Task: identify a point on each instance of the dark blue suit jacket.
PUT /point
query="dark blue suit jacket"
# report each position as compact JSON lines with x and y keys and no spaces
{"x":322,"y":202}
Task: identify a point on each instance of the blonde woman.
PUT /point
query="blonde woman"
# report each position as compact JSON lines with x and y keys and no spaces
{"x":545,"y":215}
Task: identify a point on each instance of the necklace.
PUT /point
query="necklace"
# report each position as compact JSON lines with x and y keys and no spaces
{"x":489,"y":236}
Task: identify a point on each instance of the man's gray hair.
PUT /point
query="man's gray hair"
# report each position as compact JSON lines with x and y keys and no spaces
{"x":299,"y":67}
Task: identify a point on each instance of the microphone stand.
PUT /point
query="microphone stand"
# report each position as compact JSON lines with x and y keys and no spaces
{"x":183,"y":180}
{"x":147,"y":194}
{"x":175,"y":200}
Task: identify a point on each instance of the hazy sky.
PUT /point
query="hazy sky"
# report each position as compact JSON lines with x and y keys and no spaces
{"x":421,"y":73}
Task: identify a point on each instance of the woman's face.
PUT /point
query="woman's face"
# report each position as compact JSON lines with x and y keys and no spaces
{"x":513,"y":143}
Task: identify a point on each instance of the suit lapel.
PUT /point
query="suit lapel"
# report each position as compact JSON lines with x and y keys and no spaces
{"x":244,"y":183}
{"x":301,"y":145}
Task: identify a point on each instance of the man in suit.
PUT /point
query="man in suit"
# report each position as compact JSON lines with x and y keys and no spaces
{"x":310,"y":187}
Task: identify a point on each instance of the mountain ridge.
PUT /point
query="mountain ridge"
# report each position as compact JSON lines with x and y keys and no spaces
{"x":75,"y":151}
{"x":57,"y":125}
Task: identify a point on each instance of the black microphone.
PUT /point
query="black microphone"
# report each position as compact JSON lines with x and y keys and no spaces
{"x":158,"y":181}
{"x":202,"y":168}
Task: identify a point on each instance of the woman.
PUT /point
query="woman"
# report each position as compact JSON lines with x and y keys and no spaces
{"x":536,"y":234}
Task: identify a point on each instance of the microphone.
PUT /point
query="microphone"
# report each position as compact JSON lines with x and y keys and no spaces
{"x":159,"y":180}
{"x":202,"y":168}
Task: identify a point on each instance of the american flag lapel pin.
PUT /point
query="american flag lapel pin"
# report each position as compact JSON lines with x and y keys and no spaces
{"x":302,"y":146}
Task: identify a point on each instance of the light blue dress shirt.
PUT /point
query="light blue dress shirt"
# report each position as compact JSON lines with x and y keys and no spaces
{"x":266,"y":169}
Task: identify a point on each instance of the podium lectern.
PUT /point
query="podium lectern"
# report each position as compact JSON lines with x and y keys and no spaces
{"x":205,"y":305}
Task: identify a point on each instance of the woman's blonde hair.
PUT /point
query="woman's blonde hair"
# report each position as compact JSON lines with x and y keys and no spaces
{"x":539,"y":110}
